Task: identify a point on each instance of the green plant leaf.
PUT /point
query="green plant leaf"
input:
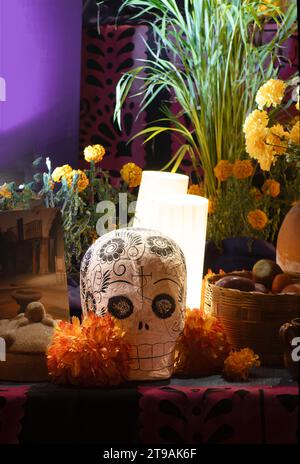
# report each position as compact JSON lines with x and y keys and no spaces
{"x":37,"y":161}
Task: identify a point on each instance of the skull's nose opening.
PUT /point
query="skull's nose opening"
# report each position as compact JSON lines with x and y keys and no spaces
{"x":143,"y":325}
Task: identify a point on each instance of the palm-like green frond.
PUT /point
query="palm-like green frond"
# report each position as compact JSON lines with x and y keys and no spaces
{"x":208,"y":58}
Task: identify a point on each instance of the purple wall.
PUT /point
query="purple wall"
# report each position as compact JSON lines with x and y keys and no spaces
{"x":40,"y":48}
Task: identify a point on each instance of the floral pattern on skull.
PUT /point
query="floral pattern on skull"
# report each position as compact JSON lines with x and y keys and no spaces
{"x":139,"y":276}
{"x":161,"y":246}
{"x":111,"y":250}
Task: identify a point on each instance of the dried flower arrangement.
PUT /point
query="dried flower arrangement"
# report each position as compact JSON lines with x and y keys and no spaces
{"x":76,"y":193}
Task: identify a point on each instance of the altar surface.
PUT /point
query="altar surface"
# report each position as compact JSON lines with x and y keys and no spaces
{"x":179,"y":411}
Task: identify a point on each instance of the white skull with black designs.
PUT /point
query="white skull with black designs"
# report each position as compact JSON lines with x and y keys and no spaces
{"x":139,"y":276}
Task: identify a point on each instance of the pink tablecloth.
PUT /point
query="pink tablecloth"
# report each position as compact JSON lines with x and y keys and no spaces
{"x":12,"y":401}
{"x":194,"y":415}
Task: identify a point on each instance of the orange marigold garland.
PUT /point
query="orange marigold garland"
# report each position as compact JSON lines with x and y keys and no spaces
{"x":94,"y":353}
{"x":238,"y":364}
{"x":203,"y":346}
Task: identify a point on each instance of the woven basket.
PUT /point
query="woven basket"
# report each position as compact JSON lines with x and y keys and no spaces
{"x":252,"y":319}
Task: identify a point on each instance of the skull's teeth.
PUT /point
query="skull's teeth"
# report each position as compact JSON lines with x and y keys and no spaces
{"x":133,"y":351}
{"x":158,"y":349}
{"x":134,"y":364}
{"x":157,"y":363}
{"x":151,"y":357}
{"x":145,"y":351}
{"x":146,"y":364}
{"x":168,"y":347}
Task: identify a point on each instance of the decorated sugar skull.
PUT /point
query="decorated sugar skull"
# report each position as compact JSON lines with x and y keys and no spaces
{"x":139,"y":276}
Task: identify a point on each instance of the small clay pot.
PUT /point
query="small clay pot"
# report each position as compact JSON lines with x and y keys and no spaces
{"x":25,"y":296}
{"x":288,"y":332}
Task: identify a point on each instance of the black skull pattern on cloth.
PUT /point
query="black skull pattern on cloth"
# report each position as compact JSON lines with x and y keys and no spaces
{"x":139,"y":276}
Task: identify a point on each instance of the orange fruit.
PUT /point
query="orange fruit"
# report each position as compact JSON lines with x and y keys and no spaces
{"x":279,"y":282}
{"x":293,"y":288}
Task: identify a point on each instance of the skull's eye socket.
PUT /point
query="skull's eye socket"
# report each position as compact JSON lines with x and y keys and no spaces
{"x":120,"y":307}
{"x":163,"y":306}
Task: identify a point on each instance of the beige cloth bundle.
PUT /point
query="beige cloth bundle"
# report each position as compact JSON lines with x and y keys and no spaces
{"x":27,"y":337}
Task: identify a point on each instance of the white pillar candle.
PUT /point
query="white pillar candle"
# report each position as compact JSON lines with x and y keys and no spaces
{"x":156,"y":182}
{"x":184,"y":218}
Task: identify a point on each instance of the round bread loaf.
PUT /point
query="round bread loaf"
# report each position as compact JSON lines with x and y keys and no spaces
{"x":27,"y":337}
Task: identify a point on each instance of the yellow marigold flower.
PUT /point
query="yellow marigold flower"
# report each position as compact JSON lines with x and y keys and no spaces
{"x":212,"y":205}
{"x":257,"y":219}
{"x":82,"y":180}
{"x":51,"y":184}
{"x":264,"y":144}
{"x":279,"y":147}
{"x":131,"y":174}
{"x":267,"y":161}
{"x":255,"y":119}
{"x":60,"y":172}
{"x":271,"y":187}
{"x":295,"y":119}
{"x":223,"y":170}
{"x":264,"y":6}
{"x":270,"y":94}
{"x":278,"y":130}
{"x":94,"y":153}
{"x":256,"y":193}
{"x":257,"y":148}
{"x":297,"y":105}
{"x":238,"y":364}
{"x":242,"y":169}
{"x":294,"y":135}
{"x":4,"y":191}
{"x":93,"y":236}
{"x":196,"y":189}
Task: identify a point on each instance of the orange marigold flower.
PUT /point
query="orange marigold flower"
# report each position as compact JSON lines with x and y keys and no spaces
{"x":257,"y":219}
{"x":238,"y":364}
{"x":203,"y":346}
{"x":82,"y":180}
{"x":271,"y":187}
{"x":242,"y":169}
{"x":223,"y":170}
{"x":94,"y":353}
{"x":131,"y":174}
{"x":256,"y":193}
{"x":196,"y":189}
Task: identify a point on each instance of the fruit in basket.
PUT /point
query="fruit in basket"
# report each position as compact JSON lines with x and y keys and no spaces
{"x":260,"y":288}
{"x":236,"y":282}
{"x":288,"y":243}
{"x":280,"y":281}
{"x":264,"y":272}
{"x":293,"y":288}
